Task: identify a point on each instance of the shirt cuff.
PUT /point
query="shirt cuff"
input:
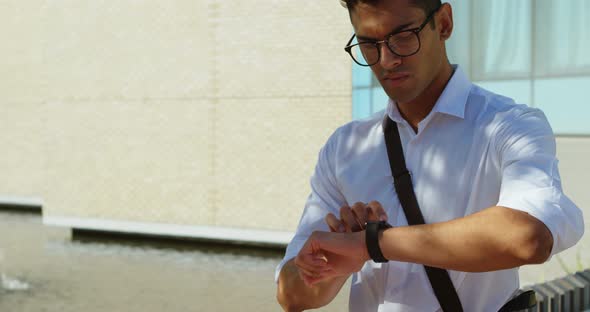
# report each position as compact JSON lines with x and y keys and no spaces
{"x":535,"y":203}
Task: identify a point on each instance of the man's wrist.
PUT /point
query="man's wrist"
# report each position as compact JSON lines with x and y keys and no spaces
{"x":363,"y":238}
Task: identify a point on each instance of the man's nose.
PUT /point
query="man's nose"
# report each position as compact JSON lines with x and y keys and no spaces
{"x":388,"y":58}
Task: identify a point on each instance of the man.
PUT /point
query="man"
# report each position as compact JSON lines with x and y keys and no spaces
{"x":483,"y":169}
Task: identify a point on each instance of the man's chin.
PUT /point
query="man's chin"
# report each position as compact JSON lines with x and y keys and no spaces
{"x":400,"y":97}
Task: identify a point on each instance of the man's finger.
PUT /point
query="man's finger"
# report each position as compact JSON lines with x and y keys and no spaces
{"x":326,"y":275}
{"x":376,"y":211}
{"x":310,"y":273}
{"x":311,"y":280}
{"x":311,"y":263}
{"x":359,"y":211}
{"x":347,"y":218}
{"x":314,"y":274}
{"x":334,"y":224}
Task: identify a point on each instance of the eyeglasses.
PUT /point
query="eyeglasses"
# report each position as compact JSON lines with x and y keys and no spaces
{"x":403,"y":43}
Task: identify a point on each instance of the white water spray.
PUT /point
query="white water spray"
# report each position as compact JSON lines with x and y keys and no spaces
{"x":9,"y":283}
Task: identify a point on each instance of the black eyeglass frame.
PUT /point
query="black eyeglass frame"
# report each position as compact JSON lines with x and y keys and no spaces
{"x":416,"y":31}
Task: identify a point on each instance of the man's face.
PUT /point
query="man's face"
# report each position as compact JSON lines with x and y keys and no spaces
{"x":402,"y":78}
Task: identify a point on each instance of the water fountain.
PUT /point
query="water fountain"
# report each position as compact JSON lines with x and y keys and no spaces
{"x":8,"y":283}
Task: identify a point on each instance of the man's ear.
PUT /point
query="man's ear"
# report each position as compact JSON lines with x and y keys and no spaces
{"x":445,"y":21}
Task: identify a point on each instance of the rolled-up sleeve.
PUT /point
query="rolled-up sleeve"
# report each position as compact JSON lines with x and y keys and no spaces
{"x":325,"y":197}
{"x":530,"y":177}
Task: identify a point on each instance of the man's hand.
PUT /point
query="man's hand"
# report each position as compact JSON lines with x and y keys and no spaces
{"x":328,"y":255}
{"x":354,"y":219}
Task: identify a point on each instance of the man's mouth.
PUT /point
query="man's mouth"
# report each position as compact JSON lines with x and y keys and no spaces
{"x":396,"y":79}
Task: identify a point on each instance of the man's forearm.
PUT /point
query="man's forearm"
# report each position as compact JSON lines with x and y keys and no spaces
{"x":294,"y":295}
{"x":494,"y":239}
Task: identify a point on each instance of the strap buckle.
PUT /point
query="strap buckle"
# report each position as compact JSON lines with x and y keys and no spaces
{"x":403,"y":173}
{"x":404,"y":178}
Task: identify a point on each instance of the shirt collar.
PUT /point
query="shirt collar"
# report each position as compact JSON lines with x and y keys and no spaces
{"x":452,"y":100}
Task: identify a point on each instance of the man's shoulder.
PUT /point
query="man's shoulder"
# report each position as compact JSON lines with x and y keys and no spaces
{"x":496,"y":108}
{"x":501,"y":115}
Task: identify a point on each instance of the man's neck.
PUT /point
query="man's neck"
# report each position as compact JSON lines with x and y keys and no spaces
{"x":416,"y":110}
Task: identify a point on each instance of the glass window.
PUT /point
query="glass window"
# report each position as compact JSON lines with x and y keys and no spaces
{"x":564,"y":102}
{"x":367,"y":95}
{"x":535,"y":51}
{"x":519,"y":90}
{"x":361,"y":103}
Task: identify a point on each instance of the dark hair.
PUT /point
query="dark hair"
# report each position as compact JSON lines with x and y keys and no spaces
{"x":426,"y":5}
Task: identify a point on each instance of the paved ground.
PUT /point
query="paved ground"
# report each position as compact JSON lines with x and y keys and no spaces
{"x":44,"y":269}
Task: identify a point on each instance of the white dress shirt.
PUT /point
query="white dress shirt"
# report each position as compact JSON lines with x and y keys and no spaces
{"x":475,"y":149}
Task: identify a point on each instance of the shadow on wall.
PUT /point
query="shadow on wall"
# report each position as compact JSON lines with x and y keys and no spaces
{"x":21,"y":208}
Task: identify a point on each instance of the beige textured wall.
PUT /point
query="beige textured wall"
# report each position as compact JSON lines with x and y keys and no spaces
{"x":22,"y":161}
{"x":186,"y":112}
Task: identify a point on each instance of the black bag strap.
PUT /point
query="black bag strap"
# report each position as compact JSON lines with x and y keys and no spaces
{"x":439,"y":278}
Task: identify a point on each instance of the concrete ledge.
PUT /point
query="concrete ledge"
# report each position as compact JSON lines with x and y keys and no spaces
{"x":21,"y":201}
{"x":263,"y":238}
{"x":21,"y":204}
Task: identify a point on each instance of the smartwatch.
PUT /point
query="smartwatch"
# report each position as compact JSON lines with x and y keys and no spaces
{"x":372,"y":239}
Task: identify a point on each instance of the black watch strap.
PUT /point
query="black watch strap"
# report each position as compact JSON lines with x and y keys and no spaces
{"x":372,"y":239}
